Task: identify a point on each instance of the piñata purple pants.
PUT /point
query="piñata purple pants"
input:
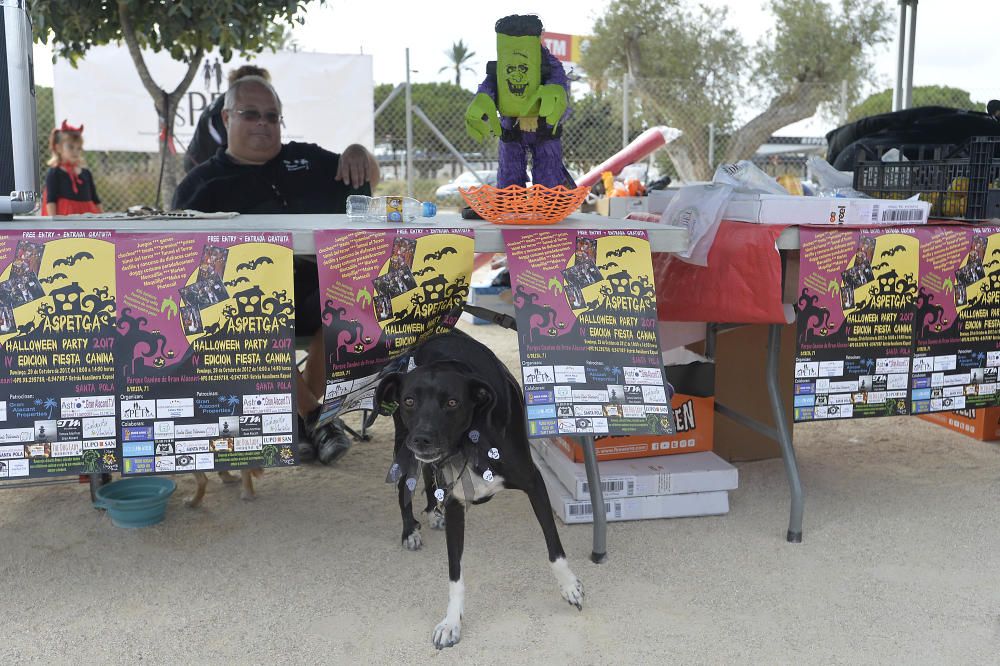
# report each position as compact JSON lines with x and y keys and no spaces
{"x":546,"y":162}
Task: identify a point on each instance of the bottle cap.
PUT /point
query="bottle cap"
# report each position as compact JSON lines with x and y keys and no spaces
{"x":430,"y":209}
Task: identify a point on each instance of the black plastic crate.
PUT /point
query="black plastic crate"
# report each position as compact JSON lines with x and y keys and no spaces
{"x":967,"y":188}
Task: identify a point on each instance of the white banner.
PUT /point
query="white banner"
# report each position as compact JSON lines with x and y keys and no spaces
{"x":326,"y":98}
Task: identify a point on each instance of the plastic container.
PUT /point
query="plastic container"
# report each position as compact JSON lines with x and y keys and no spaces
{"x":524,"y":205}
{"x":136,"y":502}
{"x":388,"y":209}
{"x":967,"y":188}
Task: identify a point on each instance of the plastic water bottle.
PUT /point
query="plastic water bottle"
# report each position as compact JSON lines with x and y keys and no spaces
{"x":388,"y":209}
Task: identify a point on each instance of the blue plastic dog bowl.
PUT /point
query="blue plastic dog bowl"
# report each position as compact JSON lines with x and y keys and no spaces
{"x":138,"y":502}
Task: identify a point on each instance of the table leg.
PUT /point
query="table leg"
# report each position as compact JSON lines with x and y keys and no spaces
{"x":600,"y":552}
{"x":784,"y":433}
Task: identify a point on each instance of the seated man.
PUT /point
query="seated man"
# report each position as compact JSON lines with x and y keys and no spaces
{"x":210,"y":132}
{"x":256,"y":173}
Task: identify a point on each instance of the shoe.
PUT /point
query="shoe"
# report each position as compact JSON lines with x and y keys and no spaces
{"x":331,"y":441}
{"x":307,"y":449}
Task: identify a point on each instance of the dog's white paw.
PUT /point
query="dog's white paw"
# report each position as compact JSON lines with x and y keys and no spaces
{"x":248,"y":495}
{"x":447,"y":633}
{"x":572,"y":592}
{"x":436,"y":519}
{"x":569,"y":585}
{"x":192,"y":502}
{"x":413,"y":542}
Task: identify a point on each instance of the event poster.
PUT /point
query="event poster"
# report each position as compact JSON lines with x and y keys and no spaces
{"x":857,"y":298}
{"x":382,"y":292}
{"x":57,"y":327}
{"x":587,"y":331}
{"x":205,"y":351}
{"x":958,"y":320}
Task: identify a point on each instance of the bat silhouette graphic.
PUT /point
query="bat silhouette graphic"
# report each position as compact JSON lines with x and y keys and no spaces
{"x":884,"y":264}
{"x":255,"y":264}
{"x":239,"y":280}
{"x":71,"y":260}
{"x":620,"y":251}
{"x":608,"y":265}
{"x":440,"y":253}
{"x":425,"y":270}
{"x":992,"y":263}
{"x":891,"y":252}
{"x":63,"y":276}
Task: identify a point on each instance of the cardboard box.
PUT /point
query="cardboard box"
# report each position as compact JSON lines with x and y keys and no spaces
{"x":662,"y":475}
{"x":619,"y":207}
{"x":794,"y":210}
{"x":741,"y":384}
{"x":694,"y":415}
{"x":981,"y":424}
{"x":572,"y":511}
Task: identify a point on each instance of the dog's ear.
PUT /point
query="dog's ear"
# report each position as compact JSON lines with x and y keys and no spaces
{"x":386,"y":397}
{"x":484,"y":397}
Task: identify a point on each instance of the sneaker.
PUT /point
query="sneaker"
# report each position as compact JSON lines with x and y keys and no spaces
{"x":331,"y":441}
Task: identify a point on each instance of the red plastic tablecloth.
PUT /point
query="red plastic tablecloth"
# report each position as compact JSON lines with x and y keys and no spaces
{"x":741,"y":284}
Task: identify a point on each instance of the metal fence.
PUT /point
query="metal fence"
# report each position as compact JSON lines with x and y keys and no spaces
{"x":604,"y":117}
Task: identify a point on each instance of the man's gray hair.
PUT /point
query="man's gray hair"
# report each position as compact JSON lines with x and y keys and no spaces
{"x":230,"y":102}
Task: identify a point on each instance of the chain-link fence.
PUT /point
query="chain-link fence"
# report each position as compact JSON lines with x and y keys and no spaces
{"x":605,"y":116}
{"x":122,"y":179}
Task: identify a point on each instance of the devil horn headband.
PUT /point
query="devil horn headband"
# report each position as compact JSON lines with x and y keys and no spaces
{"x":66,"y":127}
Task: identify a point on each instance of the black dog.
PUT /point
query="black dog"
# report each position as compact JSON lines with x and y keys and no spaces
{"x":459,"y":415}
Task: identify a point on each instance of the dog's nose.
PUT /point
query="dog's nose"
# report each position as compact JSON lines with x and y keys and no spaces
{"x":422,"y":442}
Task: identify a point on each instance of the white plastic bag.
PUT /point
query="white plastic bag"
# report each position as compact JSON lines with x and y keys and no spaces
{"x":698,"y":208}
{"x":832,"y":182}
{"x":746,"y":176}
{"x":826,"y":176}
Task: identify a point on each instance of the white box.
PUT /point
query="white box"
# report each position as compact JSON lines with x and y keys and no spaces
{"x":572,"y":511}
{"x":780,"y":209}
{"x":640,"y":477}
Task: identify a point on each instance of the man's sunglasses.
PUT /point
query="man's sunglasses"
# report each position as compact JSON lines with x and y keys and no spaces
{"x":254,"y":116}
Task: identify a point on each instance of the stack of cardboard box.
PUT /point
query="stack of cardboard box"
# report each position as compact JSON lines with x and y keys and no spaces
{"x":647,"y":476}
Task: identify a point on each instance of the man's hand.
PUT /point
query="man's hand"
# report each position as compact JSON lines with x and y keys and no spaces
{"x":481,"y":118}
{"x":553,"y":103}
{"x":357,"y":166}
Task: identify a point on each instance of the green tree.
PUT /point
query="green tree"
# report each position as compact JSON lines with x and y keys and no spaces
{"x":185,"y":29}
{"x":444,"y":104}
{"x":689,"y":69}
{"x":458,"y":55}
{"x":881,"y":102}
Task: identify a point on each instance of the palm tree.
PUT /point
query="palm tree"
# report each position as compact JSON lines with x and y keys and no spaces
{"x":50,"y":404}
{"x":458,"y":54}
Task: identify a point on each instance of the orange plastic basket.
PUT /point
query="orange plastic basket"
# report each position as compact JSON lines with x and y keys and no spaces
{"x":524,"y":205}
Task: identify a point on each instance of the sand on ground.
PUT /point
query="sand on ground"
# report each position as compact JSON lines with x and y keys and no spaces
{"x":898,"y":565}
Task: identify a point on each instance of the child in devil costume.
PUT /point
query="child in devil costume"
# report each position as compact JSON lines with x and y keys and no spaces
{"x":69,"y":185}
{"x":527,"y":86}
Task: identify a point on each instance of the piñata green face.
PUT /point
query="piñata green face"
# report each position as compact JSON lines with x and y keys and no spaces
{"x":519,"y":73}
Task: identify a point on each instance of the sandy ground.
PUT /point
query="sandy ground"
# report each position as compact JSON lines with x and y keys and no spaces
{"x":899,"y":565}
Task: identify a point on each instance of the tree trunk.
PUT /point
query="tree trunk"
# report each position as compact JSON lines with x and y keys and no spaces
{"x":165,"y":104}
{"x":797,"y":104}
